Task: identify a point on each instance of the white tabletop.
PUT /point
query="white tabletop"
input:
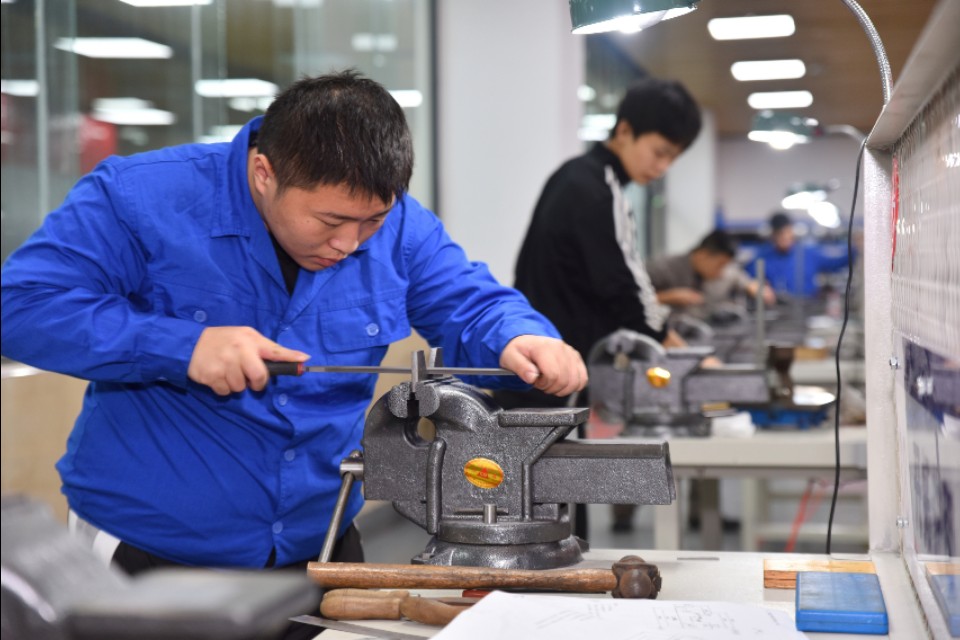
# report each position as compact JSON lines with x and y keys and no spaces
{"x":735,"y":577}
{"x":768,"y":452}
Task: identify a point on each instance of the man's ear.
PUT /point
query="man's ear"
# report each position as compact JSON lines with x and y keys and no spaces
{"x":624,"y":130}
{"x":262,"y":172}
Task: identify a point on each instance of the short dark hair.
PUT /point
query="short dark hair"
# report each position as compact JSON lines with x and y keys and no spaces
{"x":655,"y":105}
{"x":778,"y":221}
{"x":718,"y":241}
{"x":338,"y":129}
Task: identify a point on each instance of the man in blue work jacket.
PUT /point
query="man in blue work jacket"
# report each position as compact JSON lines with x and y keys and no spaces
{"x":793,"y":267}
{"x":168,"y":277}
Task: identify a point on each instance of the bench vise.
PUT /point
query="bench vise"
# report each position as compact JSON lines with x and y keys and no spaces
{"x":636,"y":382}
{"x":493,"y":486}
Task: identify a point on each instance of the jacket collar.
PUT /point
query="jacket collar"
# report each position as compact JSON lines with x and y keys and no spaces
{"x":603,"y":154}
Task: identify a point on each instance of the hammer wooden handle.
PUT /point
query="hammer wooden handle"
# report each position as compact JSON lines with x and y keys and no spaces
{"x":407,"y":576}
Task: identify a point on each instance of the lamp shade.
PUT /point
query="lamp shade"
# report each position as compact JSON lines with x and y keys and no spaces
{"x":598,"y":16}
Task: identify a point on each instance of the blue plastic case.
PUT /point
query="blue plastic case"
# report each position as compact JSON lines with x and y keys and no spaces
{"x":840,"y":602}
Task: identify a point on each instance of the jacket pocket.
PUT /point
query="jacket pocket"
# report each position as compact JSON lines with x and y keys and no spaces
{"x":368,"y":323}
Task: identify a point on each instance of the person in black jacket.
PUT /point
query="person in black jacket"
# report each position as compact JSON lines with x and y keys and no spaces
{"x":580,"y":264}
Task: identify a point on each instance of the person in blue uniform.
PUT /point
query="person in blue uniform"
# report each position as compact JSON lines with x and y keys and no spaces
{"x":168,"y":278}
{"x":791,"y":267}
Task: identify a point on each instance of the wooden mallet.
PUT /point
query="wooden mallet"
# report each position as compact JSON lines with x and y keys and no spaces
{"x":629,"y":577}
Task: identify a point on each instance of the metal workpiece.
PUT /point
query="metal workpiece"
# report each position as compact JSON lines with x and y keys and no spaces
{"x":492,"y":486}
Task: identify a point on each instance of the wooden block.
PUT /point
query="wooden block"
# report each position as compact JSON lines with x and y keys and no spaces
{"x":782,"y":574}
{"x":943,"y":568}
{"x":810,"y":353}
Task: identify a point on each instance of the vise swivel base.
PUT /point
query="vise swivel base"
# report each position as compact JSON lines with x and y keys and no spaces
{"x":493,"y":486}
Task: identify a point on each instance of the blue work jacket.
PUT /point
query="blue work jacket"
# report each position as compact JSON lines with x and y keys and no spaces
{"x":795,"y":271}
{"x":146,"y":252}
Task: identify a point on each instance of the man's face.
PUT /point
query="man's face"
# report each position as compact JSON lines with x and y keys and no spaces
{"x":712,"y":265}
{"x":784,"y":239}
{"x":648,"y":156}
{"x":318,"y":227}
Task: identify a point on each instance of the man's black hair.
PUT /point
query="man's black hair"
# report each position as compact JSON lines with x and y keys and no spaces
{"x":655,"y":105}
{"x":718,"y":242}
{"x":338,"y":129}
{"x":778,"y":221}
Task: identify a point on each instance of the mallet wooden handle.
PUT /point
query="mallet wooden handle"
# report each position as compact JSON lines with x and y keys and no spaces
{"x":362,"y":604}
{"x":407,"y":576}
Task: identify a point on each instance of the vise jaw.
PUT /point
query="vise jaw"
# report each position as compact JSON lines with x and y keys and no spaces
{"x":492,"y":486}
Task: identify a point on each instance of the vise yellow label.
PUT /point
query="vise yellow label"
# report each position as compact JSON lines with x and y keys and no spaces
{"x":483,"y":472}
{"x":658,"y":377}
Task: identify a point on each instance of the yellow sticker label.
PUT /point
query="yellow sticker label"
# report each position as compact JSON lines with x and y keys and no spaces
{"x":483,"y":473}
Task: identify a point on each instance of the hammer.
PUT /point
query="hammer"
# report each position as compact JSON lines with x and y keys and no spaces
{"x":629,"y":577}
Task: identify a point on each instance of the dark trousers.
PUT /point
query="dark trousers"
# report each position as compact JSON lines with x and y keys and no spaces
{"x":348,"y":549}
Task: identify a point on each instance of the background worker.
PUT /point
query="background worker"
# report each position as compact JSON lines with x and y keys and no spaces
{"x":167,"y":278}
{"x":704,"y":277}
{"x":791,"y":267}
{"x":579,"y":264}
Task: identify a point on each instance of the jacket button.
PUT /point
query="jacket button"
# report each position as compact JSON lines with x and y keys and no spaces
{"x":277,"y":527}
{"x":200,"y":315}
{"x":372,"y":329}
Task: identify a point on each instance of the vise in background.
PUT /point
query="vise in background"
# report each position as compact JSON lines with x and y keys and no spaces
{"x":649,"y":389}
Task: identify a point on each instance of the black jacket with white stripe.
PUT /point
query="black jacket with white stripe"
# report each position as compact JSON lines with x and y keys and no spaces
{"x":579,"y":264}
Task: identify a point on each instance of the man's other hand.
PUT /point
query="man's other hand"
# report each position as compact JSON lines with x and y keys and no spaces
{"x":769,"y":297}
{"x":549,"y":364}
{"x":230,"y":359}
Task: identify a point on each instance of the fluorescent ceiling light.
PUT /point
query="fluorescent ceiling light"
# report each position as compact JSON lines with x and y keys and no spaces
{"x":365,"y":42}
{"x":116,"y":104}
{"x":236,"y":88}
{"x":222,"y":133}
{"x":780,"y":99}
{"x":298,"y":4}
{"x":165,"y":3}
{"x":244,"y":103}
{"x":746,"y":71}
{"x":825,"y":213}
{"x":780,"y":140}
{"x":804,"y":199}
{"x":407,"y":97}
{"x":20,"y":88}
{"x":748,"y":27}
{"x":596,"y":126}
{"x":130,"y":111}
{"x":115,"y":48}
{"x":781,"y":130}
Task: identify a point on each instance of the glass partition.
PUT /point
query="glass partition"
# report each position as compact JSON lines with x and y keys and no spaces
{"x":84,"y":80}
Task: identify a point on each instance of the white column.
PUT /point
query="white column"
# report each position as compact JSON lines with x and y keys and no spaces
{"x":507,"y":79}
